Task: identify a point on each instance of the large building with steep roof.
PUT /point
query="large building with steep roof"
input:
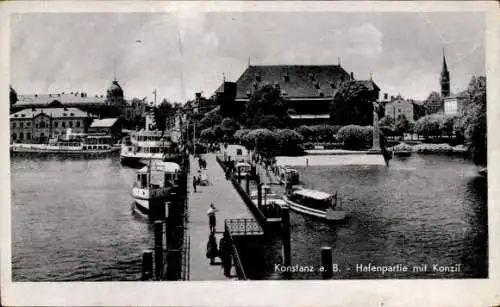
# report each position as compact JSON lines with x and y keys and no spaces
{"x":310,"y":89}
{"x":38,"y":125}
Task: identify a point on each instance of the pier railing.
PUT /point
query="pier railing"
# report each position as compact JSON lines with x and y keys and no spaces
{"x":238,"y":264}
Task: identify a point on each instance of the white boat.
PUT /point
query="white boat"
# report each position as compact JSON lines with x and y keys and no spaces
{"x":84,"y":146}
{"x":146,"y":145}
{"x":315,"y":203}
{"x":154,"y":182}
{"x":242,"y":169}
{"x":271,"y":204}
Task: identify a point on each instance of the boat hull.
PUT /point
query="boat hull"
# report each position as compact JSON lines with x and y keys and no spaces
{"x":63,"y":153}
{"x":328,"y":215}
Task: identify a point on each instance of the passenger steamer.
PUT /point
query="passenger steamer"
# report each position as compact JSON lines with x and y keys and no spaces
{"x":146,"y":145}
{"x":83,"y":145}
{"x":155,"y":183}
{"x":315,"y":203}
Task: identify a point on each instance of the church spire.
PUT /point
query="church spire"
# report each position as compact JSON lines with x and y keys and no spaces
{"x":445,"y":79}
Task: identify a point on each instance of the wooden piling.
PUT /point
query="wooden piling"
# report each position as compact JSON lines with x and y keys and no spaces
{"x":259,"y":195}
{"x":247,"y":183}
{"x":285,"y":232}
{"x":327,"y":262}
{"x":158,"y":230}
{"x":147,"y":265}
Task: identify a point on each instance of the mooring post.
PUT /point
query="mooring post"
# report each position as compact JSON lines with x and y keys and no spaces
{"x":147,"y":265}
{"x":327,"y":262}
{"x":247,"y":183}
{"x":259,"y":195}
{"x":285,"y":232}
{"x":158,"y":229}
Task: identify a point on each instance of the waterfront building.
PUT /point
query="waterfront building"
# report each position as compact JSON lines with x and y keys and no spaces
{"x":308,"y":88}
{"x":454,"y":104}
{"x":399,"y":106}
{"x":108,"y":126}
{"x":38,"y":125}
{"x":111,"y":105}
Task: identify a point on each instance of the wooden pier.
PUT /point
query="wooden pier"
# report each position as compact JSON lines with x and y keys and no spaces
{"x":231,"y":208}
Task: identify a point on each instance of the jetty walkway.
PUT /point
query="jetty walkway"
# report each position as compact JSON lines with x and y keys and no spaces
{"x":229,"y":204}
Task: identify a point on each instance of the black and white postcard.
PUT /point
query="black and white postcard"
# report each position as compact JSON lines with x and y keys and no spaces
{"x":250,"y":153}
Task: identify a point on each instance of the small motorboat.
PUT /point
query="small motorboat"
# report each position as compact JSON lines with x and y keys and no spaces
{"x":315,"y":203}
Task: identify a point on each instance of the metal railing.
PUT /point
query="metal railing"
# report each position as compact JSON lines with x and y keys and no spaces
{"x":243,"y":226}
{"x":238,"y":264}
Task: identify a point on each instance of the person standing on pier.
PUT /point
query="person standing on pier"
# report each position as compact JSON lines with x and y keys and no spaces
{"x":211,"y":217}
{"x":195,"y":182}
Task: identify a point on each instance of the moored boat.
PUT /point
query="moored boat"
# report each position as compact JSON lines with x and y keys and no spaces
{"x":154,"y":183}
{"x":89,"y":145}
{"x":315,"y":203}
{"x":146,"y":145}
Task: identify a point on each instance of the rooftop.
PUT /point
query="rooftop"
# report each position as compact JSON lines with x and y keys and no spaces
{"x":53,"y":112}
{"x":103,"y":123}
{"x":296,"y":81}
{"x":64,"y":98}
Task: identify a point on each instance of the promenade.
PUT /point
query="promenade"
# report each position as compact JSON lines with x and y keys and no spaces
{"x":229,"y":204}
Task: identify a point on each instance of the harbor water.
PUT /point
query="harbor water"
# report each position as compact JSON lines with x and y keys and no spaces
{"x":71,"y":220}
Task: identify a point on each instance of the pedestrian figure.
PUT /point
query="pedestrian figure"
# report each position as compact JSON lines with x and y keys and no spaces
{"x":211,"y":217}
{"x":307,"y":162}
{"x":225,"y":254}
{"x":195,"y":183}
{"x":212,"y":250}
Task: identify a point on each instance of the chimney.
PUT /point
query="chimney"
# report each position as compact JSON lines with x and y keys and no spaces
{"x":352,"y":75}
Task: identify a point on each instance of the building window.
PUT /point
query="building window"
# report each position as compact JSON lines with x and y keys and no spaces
{"x":78,"y":124}
{"x":28,"y":124}
{"x":71,"y":124}
{"x":14,"y":136}
{"x":63,"y":124}
{"x":42,"y":124}
{"x":21,"y":125}
{"x":36,"y":125}
{"x":55,"y":124}
{"x":14,"y":125}
{"x":21,"y":136}
{"x":28,"y":136}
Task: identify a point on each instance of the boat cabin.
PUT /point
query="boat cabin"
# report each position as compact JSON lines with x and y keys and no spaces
{"x":243,"y":169}
{"x":312,"y":198}
{"x":158,"y":175}
{"x":288,"y":174}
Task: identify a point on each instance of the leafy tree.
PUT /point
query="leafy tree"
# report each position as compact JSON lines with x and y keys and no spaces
{"x":161,"y":113}
{"x":402,"y":125}
{"x":266,"y":106}
{"x":210,"y":119}
{"x":289,"y":142}
{"x":229,"y":127}
{"x":264,"y":139}
{"x":353,"y":104}
{"x":355,"y":136}
{"x":305,"y":131}
{"x":474,"y":120}
{"x":240,"y":136}
{"x":433,"y":103}
{"x":208,"y":134}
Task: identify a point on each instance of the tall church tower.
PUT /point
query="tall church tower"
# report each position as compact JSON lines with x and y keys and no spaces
{"x":445,"y":79}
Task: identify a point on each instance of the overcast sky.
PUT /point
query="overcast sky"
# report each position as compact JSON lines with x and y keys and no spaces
{"x":183,"y":53}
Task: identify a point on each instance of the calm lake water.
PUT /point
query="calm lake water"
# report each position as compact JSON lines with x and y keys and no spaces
{"x":71,"y":219}
{"x":424,"y":209}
